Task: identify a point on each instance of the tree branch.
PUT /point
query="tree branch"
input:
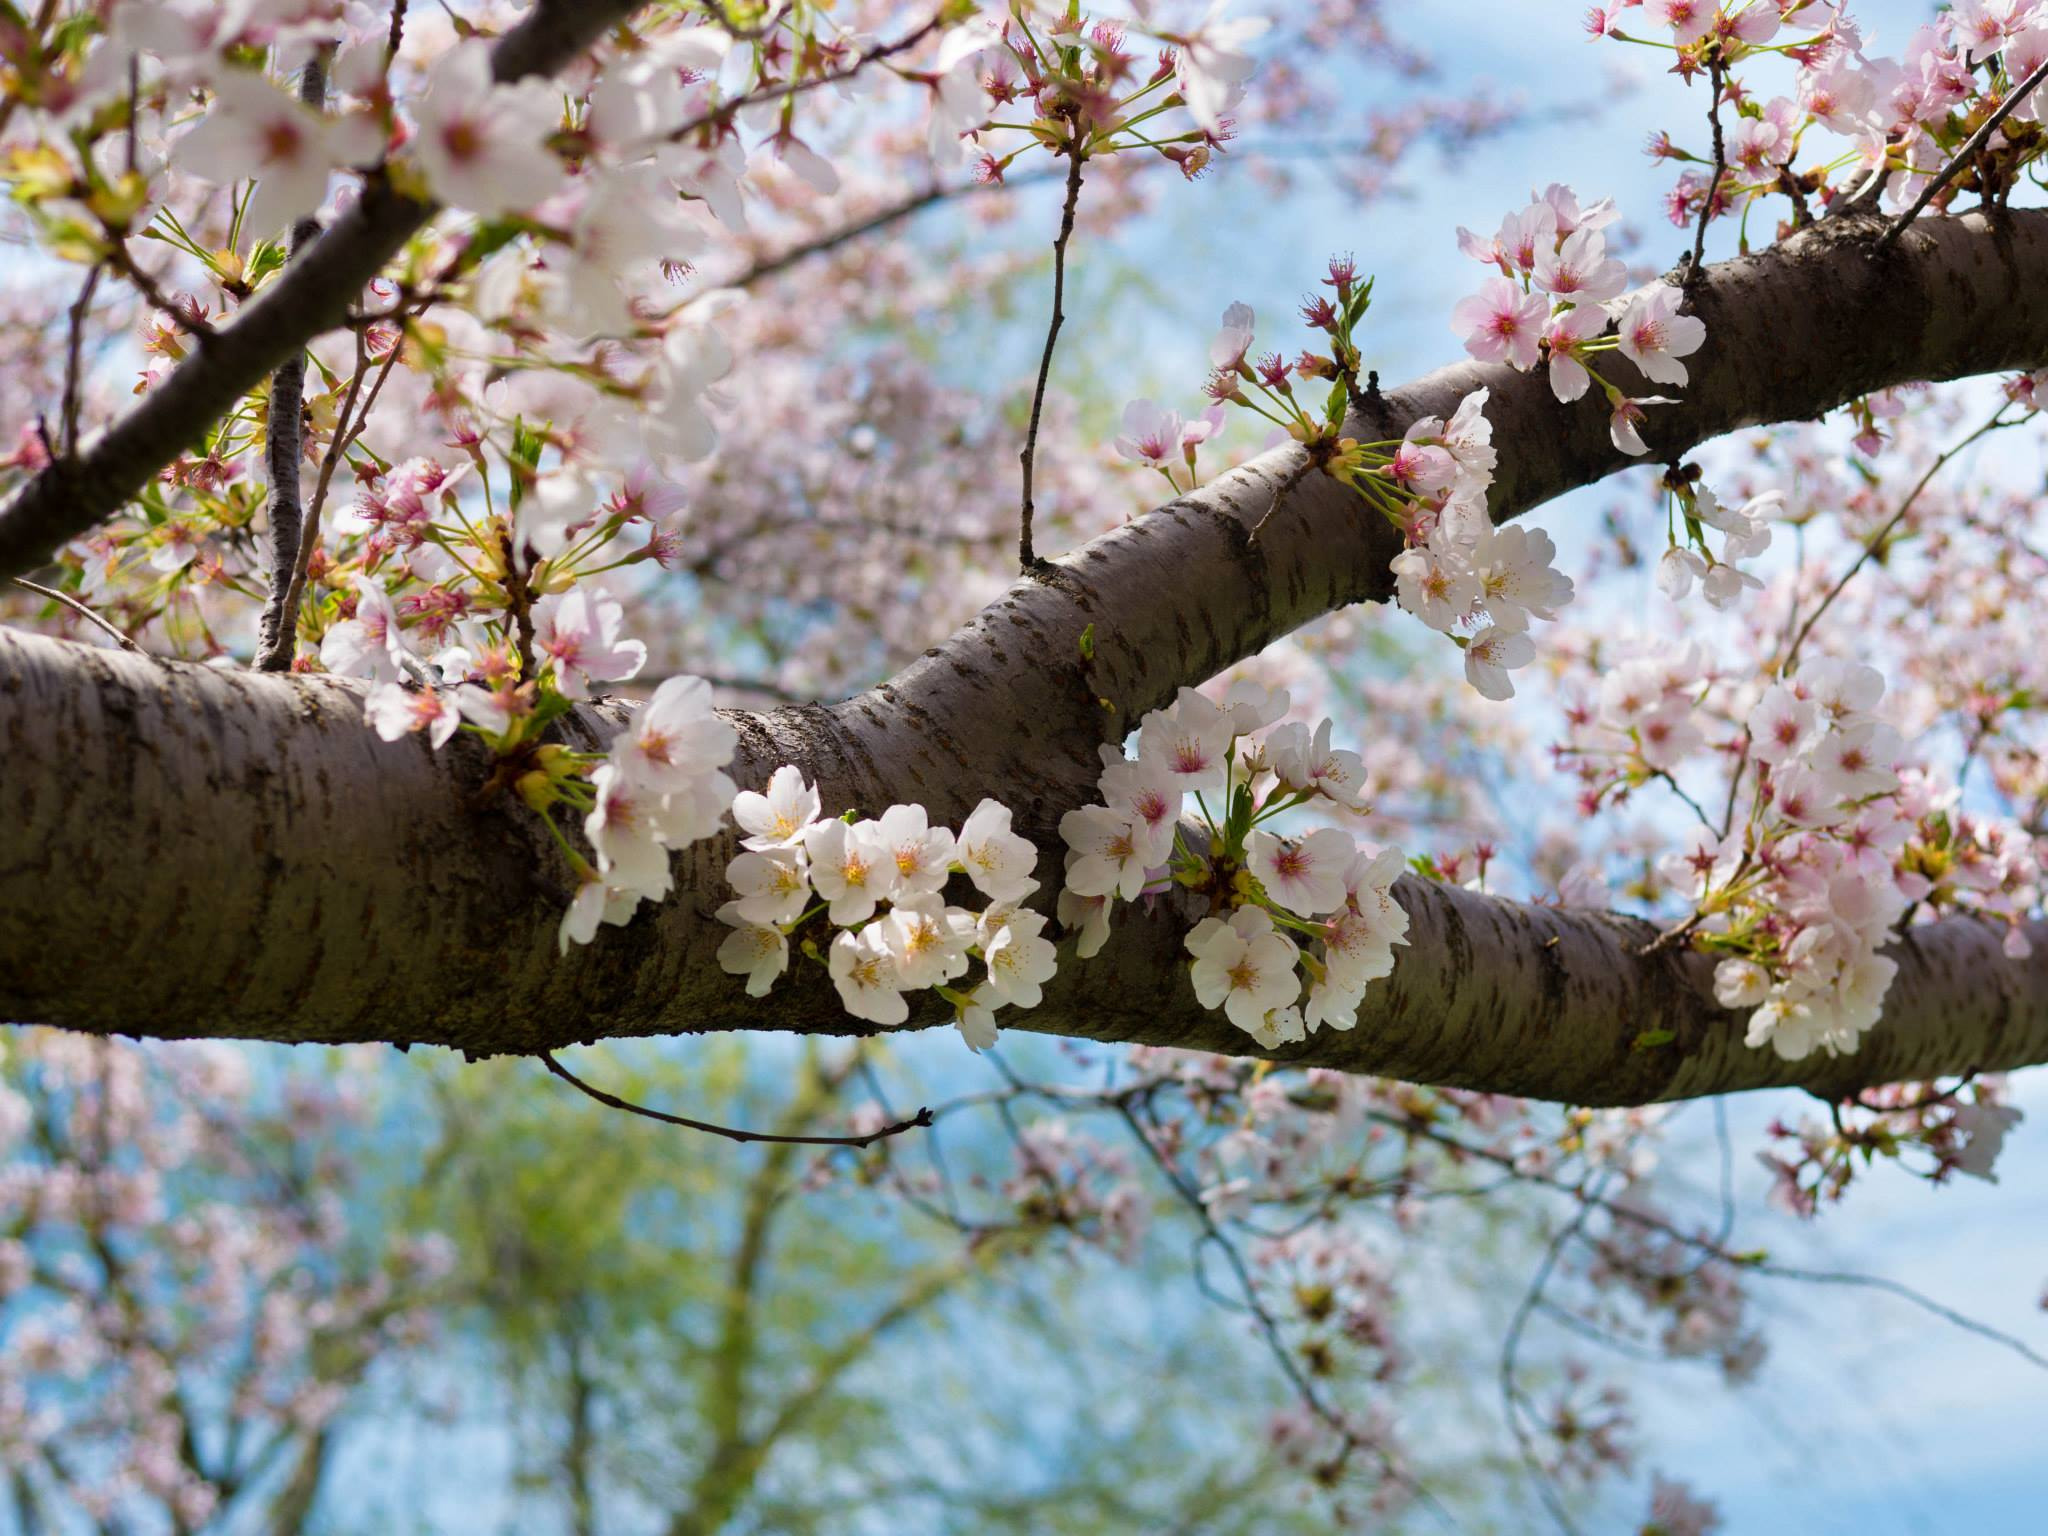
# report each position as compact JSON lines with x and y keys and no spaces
{"x":148,"y":867}
{"x":284,"y":445}
{"x":310,"y":297}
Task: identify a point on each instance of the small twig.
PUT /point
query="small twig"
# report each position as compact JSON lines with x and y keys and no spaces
{"x":1698,"y":269}
{"x":185,"y":316}
{"x":1708,"y":1246}
{"x":1269,"y":1327}
{"x":921,"y":1119}
{"x":1676,"y":934}
{"x":284,"y":446}
{"x":396,"y":37}
{"x":909,"y":207}
{"x":1906,"y":1293}
{"x":1924,"y":1102}
{"x":77,"y":607}
{"x":723,"y":114}
{"x":337,"y":446}
{"x":1877,"y":541}
{"x":74,"y":359}
{"x":134,"y":110}
{"x":520,"y":597}
{"x":1971,"y":145}
{"x":1512,"y":1396}
{"x":1027,"y":557}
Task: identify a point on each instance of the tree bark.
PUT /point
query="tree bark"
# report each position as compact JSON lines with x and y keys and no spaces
{"x":198,"y":852}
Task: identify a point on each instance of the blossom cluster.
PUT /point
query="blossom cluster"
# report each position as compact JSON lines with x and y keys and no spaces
{"x":1557,"y":294}
{"x":879,"y":887}
{"x":1901,"y":117}
{"x":1800,"y":900}
{"x":1083,"y":91}
{"x":1456,"y":572}
{"x":1461,"y":575}
{"x":1958,"y":1130}
{"x":1314,"y":912}
{"x":1745,"y":533}
{"x":660,"y":786}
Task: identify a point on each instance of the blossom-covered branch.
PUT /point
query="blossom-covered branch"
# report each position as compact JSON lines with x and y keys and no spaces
{"x":80,"y":489}
{"x":442,"y":928}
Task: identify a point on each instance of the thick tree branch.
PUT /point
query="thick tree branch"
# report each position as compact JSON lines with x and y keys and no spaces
{"x":311,"y":297}
{"x":166,"y":822}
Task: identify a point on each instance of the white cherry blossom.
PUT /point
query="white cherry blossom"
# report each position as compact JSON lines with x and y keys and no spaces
{"x":926,"y":939}
{"x":1654,"y":336}
{"x":481,"y":144}
{"x":621,"y":828}
{"x":370,"y":644}
{"x":780,"y":817}
{"x":754,"y":950}
{"x":394,"y":710}
{"x":1189,"y":743}
{"x":921,"y":852}
{"x":997,"y":860}
{"x":773,"y":885}
{"x":255,"y":131}
{"x":1304,"y":875}
{"x":1496,"y":650}
{"x":850,"y":867}
{"x":1244,"y":966}
{"x":1107,"y":852}
{"x":676,"y":738}
{"x":580,"y":635}
{"x":1021,"y":960}
{"x":865,"y":974}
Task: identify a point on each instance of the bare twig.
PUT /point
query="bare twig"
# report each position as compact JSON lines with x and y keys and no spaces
{"x":74,"y":359}
{"x":345,"y":433}
{"x":77,"y":607}
{"x":726,"y":111}
{"x":1962,"y":157}
{"x":1716,"y":77}
{"x":284,"y":445}
{"x":1925,"y":1101}
{"x":917,"y":1121}
{"x":909,"y":207}
{"x":1709,"y":1247}
{"x":1268,"y":1325}
{"x":1878,"y":540}
{"x":1513,"y":1399}
{"x":1906,"y":1293}
{"x":1026,"y":556}
{"x":185,"y":316}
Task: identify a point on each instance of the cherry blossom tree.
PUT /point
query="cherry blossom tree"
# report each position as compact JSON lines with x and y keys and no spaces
{"x":492,"y":450}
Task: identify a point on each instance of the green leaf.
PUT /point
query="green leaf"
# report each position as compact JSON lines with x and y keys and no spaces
{"x":1650,"y":1039}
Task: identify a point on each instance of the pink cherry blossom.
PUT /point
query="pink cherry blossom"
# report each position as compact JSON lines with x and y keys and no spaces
{"x":1502,"y":323}
{"x":1654,"y":335}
